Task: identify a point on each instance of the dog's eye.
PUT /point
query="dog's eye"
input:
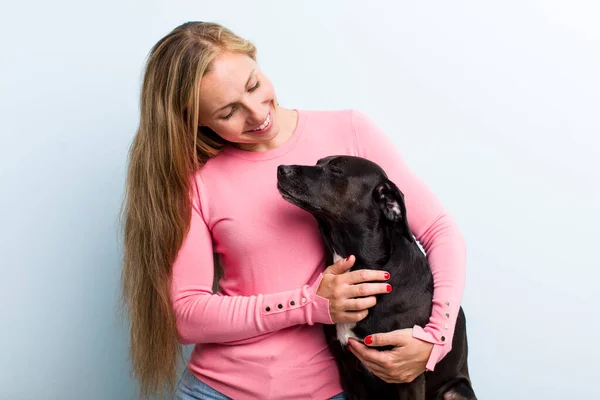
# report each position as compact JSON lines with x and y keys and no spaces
{"x":336,"y":170}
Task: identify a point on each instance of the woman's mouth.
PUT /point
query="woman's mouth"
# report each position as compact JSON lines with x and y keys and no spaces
{"x":264,"y":127}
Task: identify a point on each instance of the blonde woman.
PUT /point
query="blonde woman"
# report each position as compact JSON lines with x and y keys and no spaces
{"x":202,"y":182}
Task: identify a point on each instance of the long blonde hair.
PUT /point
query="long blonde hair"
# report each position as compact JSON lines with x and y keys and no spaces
{"x":167,"y":149}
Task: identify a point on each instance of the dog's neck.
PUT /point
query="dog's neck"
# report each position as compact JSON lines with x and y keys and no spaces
{"x":371,"y":246}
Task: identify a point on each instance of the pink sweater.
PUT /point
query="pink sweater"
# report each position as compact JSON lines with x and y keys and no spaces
{"x":260,"y":336}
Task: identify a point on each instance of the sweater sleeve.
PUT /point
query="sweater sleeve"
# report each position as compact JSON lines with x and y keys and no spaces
{"x":204,"y":317}
{"x":433,"y":227}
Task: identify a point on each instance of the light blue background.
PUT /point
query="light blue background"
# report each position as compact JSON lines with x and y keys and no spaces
{"x":494,"y":104}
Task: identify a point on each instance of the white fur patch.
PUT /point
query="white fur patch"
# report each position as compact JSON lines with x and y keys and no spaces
{"x":336,"y":257}
{"x":420,"y":246}
{"x":344,"y":332}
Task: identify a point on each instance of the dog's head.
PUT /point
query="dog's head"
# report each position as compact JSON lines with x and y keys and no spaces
{"x":344,"y":189}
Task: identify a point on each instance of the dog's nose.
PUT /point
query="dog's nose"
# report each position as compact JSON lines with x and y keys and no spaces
{"x":284,"y":170}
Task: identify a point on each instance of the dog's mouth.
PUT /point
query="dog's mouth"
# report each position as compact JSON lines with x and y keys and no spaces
{"x":289,"y":195}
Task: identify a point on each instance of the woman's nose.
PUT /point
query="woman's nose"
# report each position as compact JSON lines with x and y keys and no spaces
{"x":256,"y":113}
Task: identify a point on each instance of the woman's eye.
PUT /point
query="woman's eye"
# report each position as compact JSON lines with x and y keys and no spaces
{"x":229,"y":115}
{"x":253,"y":88}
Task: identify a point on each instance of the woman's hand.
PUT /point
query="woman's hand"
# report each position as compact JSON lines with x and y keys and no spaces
{"x":350,"y":298}
{"x":405,"y":362}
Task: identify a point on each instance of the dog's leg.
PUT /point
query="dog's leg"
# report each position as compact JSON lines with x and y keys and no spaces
{"x":350,"y":368}
{"x":412,"y":391}
{"x":358,"y":381}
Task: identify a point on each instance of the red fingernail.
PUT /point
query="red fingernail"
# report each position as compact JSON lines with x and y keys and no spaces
{"x":368,"y":340}
{"x":389,"y":288}
{"x":347,"y":258}
{"x":386,"y":275}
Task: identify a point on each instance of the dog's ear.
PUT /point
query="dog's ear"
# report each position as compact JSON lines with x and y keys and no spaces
{"x":390,"y":200}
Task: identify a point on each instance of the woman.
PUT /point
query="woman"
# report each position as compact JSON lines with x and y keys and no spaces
{"x":202,"y":181}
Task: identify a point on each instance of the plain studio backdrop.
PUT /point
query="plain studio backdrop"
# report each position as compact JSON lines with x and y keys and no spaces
{"x":494,"y":104}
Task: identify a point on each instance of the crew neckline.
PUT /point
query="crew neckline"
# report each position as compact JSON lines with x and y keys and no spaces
{"x":275,"y":152}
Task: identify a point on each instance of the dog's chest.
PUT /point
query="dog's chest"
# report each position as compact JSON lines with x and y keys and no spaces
{"x":344,"y":330}
{"x":336,"y":257}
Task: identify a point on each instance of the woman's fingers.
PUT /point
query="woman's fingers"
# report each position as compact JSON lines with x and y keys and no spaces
{"x":349,"y":295}
{"x":353,"y":316}
{"x":359,"y":304}
{"x":365,"y":275}
{"x":368,"y":289}
{"x":341,"y":266}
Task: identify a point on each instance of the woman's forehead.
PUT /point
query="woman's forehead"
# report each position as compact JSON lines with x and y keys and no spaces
{"x":226,"y":80}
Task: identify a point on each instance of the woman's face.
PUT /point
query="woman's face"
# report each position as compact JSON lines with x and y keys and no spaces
{"x":237,"y":101}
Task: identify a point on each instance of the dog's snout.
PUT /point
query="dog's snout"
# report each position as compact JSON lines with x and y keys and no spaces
{"x":284,"y":170}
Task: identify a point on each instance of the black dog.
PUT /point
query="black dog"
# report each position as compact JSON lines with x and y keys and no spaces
{"x":360,"y":211}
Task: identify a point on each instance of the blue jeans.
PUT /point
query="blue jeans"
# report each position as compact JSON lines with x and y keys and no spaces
{"x":191,"y":388}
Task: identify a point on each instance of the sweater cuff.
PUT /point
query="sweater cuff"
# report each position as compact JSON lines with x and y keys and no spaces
{"x":301,"y":306}
{"x":319,"y":310}
{"x":441,"y":345}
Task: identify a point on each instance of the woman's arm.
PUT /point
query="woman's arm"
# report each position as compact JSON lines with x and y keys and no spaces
{"x":205,"y":317}
{"x":433,"y":227}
